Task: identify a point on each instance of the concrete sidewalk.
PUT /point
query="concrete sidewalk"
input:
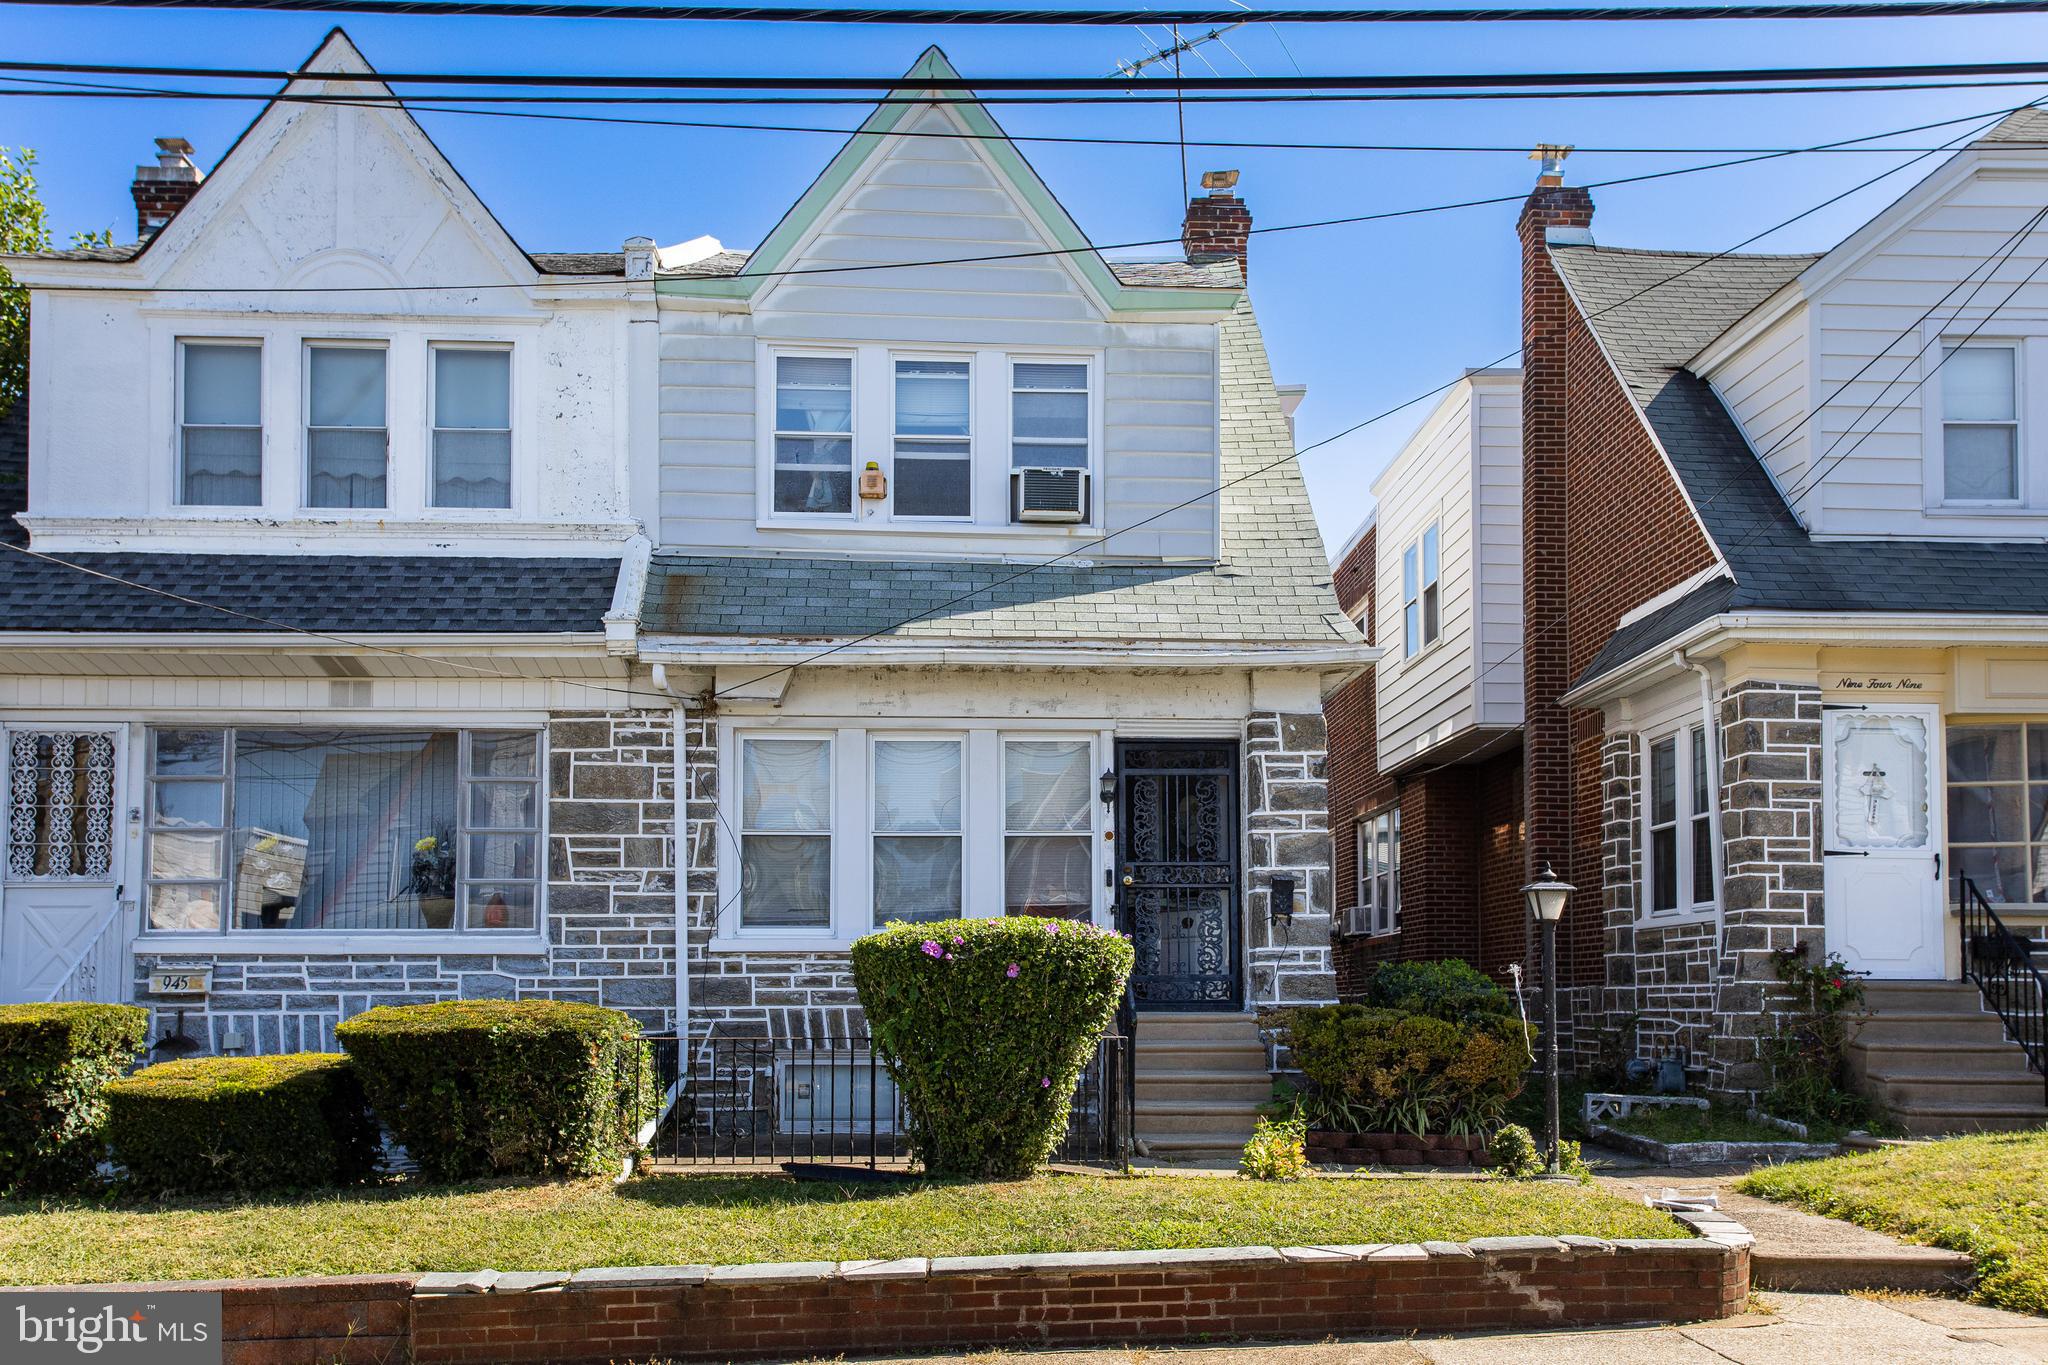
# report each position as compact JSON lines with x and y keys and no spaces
{"x":1797,"y":1329}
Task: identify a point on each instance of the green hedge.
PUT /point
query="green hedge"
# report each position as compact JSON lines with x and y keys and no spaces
{"x":215,"y":1124}
{"x":1451,"y":989}
{"x":1385,"y":1071}
{"x":985,"y":1025}
{"x":501,"y":1087}
{"x":55,"y":1063}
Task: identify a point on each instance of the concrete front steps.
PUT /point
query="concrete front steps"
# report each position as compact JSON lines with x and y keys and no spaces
{"x":1939,"y":1062}
{"x":1200,"y":1081}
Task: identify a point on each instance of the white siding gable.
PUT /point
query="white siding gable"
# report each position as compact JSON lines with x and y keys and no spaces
{"x":1154,"y":385}
{"x":1462,"y":473}
{"x":326,"y":222}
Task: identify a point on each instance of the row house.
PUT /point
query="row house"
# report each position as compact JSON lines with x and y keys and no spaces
{"x":395,"y":614}
{"x":1740,"y":587}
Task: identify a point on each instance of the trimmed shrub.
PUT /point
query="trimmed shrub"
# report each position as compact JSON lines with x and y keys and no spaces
{"x":500,"y":1087}
{"x":1383,"y":1071}
{"x":985,"y":1025}
{"x":215,"y":1124}
{"x":1277,"y":1151}
{"x":1450,"y":989}
{"x":55,"y":1064}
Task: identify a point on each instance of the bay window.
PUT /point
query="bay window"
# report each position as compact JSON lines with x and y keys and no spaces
{"x":377,"y":831}
{"x":1678,"y":823}
{"x":1980,"y":424}
{"x":472,"y":438}
{"x":1998,"y":810}
{"x":347,"y":435}
{"x":813,"y":469}
{"x":220,"y":423}
{"x":1048,"y":827}
{"x":934,"y":452}
{"x":785,"y":833}
{"x":916,"y":815}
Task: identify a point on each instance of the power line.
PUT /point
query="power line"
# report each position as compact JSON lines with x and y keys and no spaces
{"x":1062,"y":18}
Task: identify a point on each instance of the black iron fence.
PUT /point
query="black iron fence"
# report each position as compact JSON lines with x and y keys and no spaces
{"x":2002,"y":965}
{"x":741,"y":1101}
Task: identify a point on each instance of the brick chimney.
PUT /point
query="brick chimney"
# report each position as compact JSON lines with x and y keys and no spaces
{"x":161,"y":190}
{"x":1218,"y":226}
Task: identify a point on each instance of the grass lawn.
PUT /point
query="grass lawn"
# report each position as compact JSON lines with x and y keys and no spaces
{"x":1684,"y":1123}
{"x":670,"y":1220}
{"x":1986,"y":1195}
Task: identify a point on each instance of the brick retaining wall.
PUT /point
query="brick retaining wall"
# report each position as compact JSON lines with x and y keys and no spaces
{"x":826,"y":1308}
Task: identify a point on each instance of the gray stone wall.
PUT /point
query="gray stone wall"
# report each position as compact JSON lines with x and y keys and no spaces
{"x":609,"y":918}
{"x":1287,"y":833}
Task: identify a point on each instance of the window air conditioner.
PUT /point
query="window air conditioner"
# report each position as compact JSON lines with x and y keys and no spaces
{"x":1049,"y":494}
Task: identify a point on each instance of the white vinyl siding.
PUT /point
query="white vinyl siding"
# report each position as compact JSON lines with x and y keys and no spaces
{"x":1765,"y":387}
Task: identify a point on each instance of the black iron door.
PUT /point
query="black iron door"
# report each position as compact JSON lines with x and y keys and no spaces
{"x":1177,"y":872}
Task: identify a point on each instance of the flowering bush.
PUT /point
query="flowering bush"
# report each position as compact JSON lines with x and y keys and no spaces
{"x":1277,"y":1151}
{"x":1807,"y":1048}
{"x":985,"y":1026}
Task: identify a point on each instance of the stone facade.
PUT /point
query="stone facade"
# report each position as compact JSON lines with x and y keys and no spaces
{"x":1287,"y":833}
{"x":610,"y":918}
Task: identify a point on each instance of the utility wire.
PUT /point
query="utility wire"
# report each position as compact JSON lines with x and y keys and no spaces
{"x":1074,"y":18}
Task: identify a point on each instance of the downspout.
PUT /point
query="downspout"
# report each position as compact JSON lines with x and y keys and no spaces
{"x":1711,"y":734}
{"x":680,"y":835}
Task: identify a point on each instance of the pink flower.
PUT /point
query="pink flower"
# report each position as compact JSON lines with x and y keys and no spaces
{"x":931,"y":949}
{"x":1045,"y":1082}
{"x":949,"y":957}
{"x":1012,"y":971}
{"x":958,"y":941}
{"x":1051,"y":927}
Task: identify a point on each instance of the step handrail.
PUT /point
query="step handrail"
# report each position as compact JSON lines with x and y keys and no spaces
{"x":2001,"y":963}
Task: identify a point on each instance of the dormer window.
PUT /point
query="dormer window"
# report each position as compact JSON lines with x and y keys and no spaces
{"x":1980,"y":424}
{"x":220,"y":423}
{"x":814,"y":434}
{"x":348,"y":444}
{"x":472,"y":408}
{"x":934,"y":452}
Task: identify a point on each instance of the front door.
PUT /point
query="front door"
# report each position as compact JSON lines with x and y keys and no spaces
{"x":1881,"y":885}
{"x":1178,"y":872}
{"x":59,"y":887}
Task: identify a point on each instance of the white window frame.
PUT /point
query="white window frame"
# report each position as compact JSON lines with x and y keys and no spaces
{"x":1097,"y":852}
{"x":514,"y":485}
{"x":976,"y":446}
{"x":730,"y":920}
{"x":228,"y":937}
{"x":1089,"y":444}
{"x":767,"y":388}
{"x":1420,"y":637}
{"x":1941,"y":423}
{"x":1376,"y":897}
{"x":1692,"y":743}
{"x":391,"y":507}
{"x":178,"y":425}
{"x":958,"y":739}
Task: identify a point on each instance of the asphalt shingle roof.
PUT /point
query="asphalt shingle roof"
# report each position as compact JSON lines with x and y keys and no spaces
{"x":1271,"y":587}
{"x":1692,"y":298}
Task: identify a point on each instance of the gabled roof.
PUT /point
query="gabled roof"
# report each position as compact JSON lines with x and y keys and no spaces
{"x":1774,"y":564}
{"x":1272,"y":586}
{"x":1136,"y":285}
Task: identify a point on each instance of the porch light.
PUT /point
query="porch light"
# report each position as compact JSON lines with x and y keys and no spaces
{"x":1546,"y":896}
{"x":1106,"y":789}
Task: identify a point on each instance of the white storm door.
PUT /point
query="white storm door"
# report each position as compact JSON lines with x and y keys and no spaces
{"x":59,"y":886}
{"x":1881,"y":883}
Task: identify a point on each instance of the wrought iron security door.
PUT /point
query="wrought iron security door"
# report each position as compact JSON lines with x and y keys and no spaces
{"x":1178,"y":872}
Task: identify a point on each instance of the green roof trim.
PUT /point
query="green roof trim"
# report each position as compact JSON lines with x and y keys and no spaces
{"x":774,"y":253}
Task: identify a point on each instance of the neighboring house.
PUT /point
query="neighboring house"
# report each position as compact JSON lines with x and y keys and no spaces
{"x":840,"y":691}
{"x":1785,"y":635}
{"x":366,"y":459}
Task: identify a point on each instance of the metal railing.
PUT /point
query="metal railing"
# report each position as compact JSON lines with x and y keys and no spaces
{"x":742,"y":1101}
{"x":2002,"y":965}
{"x":99,"y":972}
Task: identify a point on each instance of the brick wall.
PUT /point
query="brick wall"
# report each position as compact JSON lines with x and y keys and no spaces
{"x":1357,"y":786}
{"x":1504,"y":933}
{"x":824,"y":1309}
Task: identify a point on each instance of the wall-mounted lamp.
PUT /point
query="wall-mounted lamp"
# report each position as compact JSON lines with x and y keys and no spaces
{"x":1106,"y":789}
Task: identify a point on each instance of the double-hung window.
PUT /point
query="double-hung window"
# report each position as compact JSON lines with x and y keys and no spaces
{"x":472,"y":445}
{"x":1376,"y":908}
{"x":220,"y":424}
{"x":1048,"y":414}
{"x":1048,"y":826}
{"x":916,"y":809}
{"x":1421,"y":603}
{"x":347,"y":431}
{"x":367,"y":831}
{"x":934,"y":452}
{"x":1678,"y":819}
{"x":785,"y":833}
{"x":814,"y":434}
{"x":1980,"y":431}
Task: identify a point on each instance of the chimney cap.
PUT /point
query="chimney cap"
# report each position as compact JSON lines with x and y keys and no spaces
{"x":1219,"y":183}
{"x":1552,"y":155}
{"x":175,"y":145}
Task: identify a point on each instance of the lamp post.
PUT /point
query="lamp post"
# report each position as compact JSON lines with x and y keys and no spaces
{"x":1546,"y":897}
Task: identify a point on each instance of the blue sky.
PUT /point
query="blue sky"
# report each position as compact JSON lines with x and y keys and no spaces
{"x":1365,"y":315}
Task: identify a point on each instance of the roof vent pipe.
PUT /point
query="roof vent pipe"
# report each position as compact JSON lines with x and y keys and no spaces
{"x":1552,"y":155}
